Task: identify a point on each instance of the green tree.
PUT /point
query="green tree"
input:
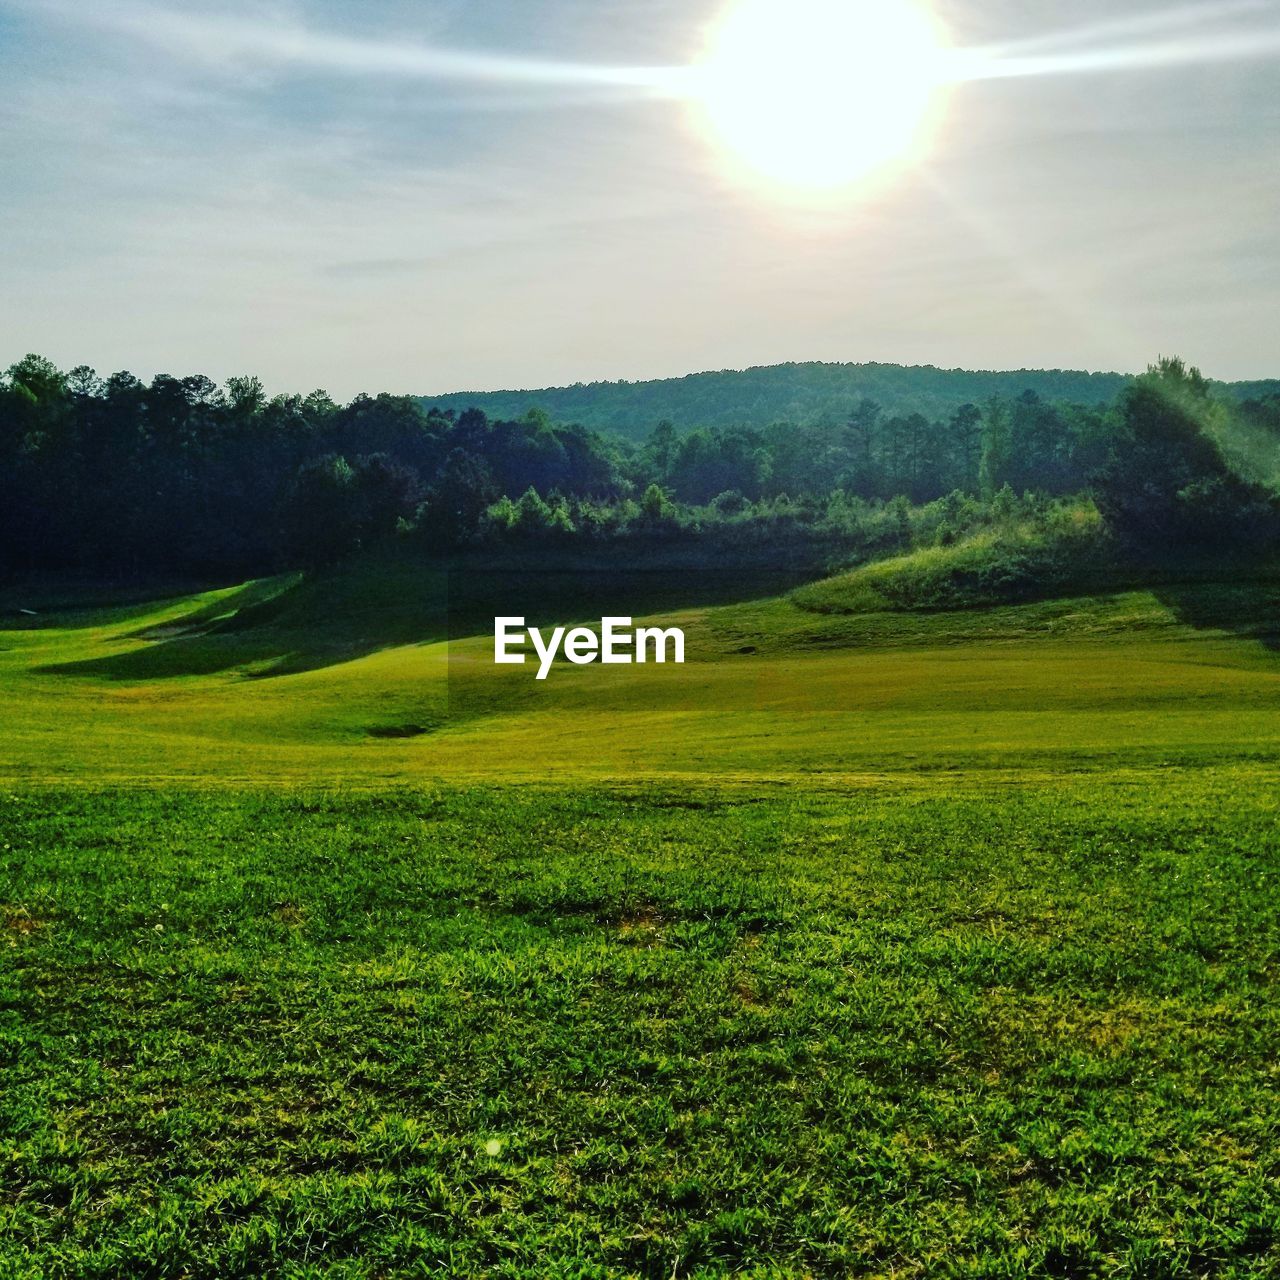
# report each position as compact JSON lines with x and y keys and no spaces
{"x":1165,"y":488}
{"x":458,"y":499}
{"x":997,"y":443}
{"x":322,"y":514}
{"x":655,"y":505}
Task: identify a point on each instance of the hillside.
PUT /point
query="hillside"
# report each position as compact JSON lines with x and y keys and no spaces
{"x":793,"y":392}
{"x":354,"y":676}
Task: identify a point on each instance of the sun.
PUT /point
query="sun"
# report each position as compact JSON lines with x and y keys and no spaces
{"x":818,"y":93}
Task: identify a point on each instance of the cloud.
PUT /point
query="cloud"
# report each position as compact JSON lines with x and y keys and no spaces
{"x":234,"y":42}
{"x":238,"y":44}
{"x":1212,"y":35}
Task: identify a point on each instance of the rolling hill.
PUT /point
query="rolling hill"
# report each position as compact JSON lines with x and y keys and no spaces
{"x":373,"y":675}
{"x":802,"y":393}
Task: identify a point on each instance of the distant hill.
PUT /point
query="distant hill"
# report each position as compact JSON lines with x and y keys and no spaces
{"x":801,"y":393}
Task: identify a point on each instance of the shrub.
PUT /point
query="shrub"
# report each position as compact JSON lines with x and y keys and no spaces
{"x":1006,"y":563}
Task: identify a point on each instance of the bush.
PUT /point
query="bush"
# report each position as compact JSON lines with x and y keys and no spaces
{"x":1003,"y":564}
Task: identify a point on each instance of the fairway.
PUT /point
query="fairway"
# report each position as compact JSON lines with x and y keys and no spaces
{"x":885,"y":945}
{"x":169,"y":690}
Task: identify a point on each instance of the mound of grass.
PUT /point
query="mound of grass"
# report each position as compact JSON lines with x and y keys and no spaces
{"x":1010,"y":563}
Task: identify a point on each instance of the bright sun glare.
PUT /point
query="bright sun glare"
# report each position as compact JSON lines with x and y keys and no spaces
{"x":818,"y":93}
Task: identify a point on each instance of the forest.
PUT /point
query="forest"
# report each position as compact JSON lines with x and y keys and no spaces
{"x":809,"y":391}
{"x":181,"y":475}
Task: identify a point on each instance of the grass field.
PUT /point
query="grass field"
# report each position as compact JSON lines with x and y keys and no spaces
{"x":863,"y":944}
{"x":320,"y":686}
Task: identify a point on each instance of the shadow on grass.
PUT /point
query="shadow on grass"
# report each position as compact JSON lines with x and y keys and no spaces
{"x":1249,"y":609}
{"x":276,"y":627}
{"x":67,"y":604}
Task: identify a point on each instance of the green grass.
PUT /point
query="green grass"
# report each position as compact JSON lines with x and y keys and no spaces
{"x":881,"y":943}
{"x":1063,"y":553}
{"x":307,"y":684}
{"x":519,"y":1032}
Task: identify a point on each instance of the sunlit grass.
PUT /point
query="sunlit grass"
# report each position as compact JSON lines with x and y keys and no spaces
{"x":770,"y":689}
{"x":642,"y":1032}
{"x":879,"y":943}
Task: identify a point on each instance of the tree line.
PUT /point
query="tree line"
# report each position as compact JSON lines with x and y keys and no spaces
{"x":181,"y":475}
{"x":809,"y":392}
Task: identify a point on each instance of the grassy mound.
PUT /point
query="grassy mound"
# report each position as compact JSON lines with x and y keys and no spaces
{"x":1006,"y":564}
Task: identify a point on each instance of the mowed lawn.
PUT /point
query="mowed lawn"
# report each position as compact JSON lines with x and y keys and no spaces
{"x":1018,"y":1031}
{"x":887,"y":946}
{"x":140,"y":694}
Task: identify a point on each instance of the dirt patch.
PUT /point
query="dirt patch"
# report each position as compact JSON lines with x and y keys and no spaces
{"x":641,"y":928}
{"x":18,"y":923}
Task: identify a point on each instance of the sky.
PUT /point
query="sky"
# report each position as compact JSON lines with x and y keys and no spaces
{"x":477,"y":194}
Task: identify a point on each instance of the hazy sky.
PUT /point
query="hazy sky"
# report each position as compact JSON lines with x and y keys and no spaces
{"x":470,"y":194}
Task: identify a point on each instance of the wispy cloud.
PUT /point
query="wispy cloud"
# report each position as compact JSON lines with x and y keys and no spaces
{"x":1159,"y":22}
{"x":237,"y":42}
{"x":1238,"y":30}
{"x":1246,"y":30}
